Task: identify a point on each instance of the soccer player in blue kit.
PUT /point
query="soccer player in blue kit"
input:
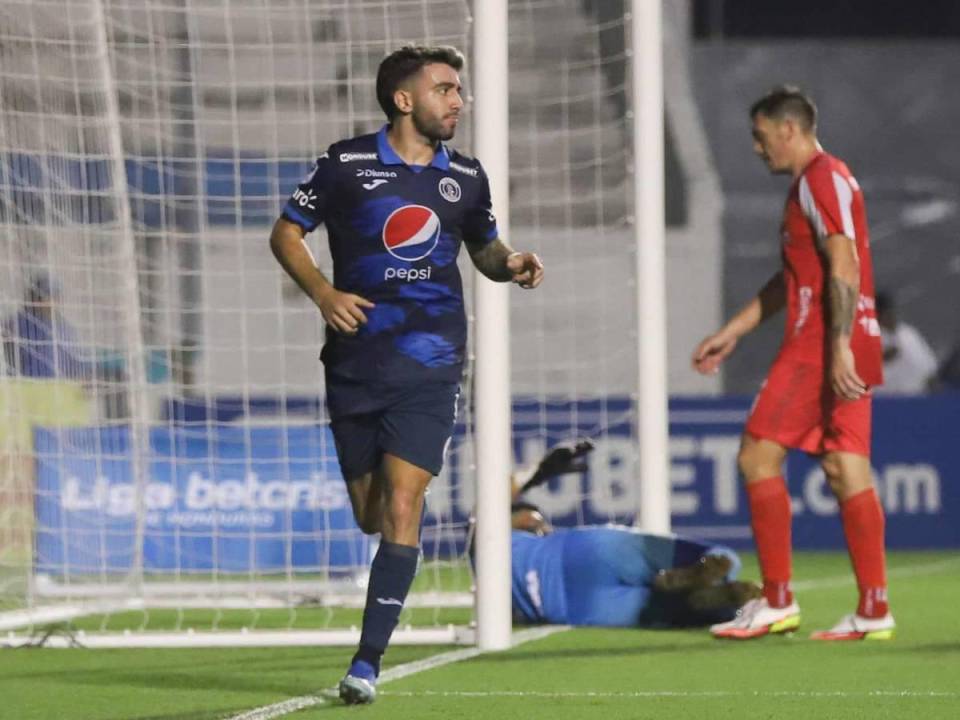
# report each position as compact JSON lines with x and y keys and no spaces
{"x":397,"y":205}
{"x":617,"y":576}
{"x":614,"y":576}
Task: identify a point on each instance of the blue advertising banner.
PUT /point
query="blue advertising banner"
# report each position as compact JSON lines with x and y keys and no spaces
{"x":265,"y":499}
{"x":916,"y":464}
{"x":217,"y":497}
{"x":915,"y":460}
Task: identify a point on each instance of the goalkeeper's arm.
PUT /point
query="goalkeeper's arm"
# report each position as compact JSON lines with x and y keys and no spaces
{"x":565,"y":458}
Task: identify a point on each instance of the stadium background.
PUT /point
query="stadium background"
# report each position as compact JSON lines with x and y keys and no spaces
{"x":147,"y":148}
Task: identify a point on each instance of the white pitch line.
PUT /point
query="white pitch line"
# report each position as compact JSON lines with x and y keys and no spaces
{"x":281,"y":708}
{"x":285,"y":707}
{"x":676,"y":693}
{"x":844,"y":580}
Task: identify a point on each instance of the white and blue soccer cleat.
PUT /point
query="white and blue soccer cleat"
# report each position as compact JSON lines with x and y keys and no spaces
{"x":359,"y":685}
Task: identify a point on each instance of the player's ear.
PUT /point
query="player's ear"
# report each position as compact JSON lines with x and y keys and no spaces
{"x":788,"y":128}
{"x":403,"y":99}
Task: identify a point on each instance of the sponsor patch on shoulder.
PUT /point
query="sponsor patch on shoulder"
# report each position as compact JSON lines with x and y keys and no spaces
{"x":355,"y":156}
{"x":472,"y":172}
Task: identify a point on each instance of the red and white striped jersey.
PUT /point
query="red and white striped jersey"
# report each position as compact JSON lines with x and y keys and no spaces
{"x":826,"y":200}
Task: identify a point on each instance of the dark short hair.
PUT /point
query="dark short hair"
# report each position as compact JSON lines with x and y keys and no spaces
{"x":405,"y":62}
{"x":784,"y":101}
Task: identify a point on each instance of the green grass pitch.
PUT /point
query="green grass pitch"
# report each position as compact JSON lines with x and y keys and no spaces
{"x":583,"y":673}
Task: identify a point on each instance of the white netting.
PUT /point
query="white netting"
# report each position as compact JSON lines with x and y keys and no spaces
{"x":214,"y":109}
{"x":147,"y":148}
{"x":574,"y":340}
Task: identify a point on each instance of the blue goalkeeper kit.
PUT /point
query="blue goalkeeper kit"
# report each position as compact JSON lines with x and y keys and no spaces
{"x":599,"y":575}
{"x":395,"y":232}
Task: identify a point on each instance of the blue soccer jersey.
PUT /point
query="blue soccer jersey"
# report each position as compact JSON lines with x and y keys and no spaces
{"x":597,"y":575}
{"x":395,"y":231}
{"x":538,"y":590}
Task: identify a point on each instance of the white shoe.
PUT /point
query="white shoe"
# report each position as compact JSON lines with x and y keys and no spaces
{"x":357,"y":690}
{"x":856,"y":627}
{"x":756,"y":619}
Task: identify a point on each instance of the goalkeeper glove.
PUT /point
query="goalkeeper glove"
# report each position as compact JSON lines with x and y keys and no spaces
{"x":568,"y":457}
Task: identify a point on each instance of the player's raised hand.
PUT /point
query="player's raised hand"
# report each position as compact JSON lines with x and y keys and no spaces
{"x":567,"y":457}
{"x":843,"y":374}
{"x":712,"y":351}
{"x":344,"y":311}
{"x":526,"y":268}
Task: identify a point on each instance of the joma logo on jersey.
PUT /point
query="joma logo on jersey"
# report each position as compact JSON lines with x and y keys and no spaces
{"x":305,"y":199}
{"x":379,"y":177}
{"x":411,"y":232}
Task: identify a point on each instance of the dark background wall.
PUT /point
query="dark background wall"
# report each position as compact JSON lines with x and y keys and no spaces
{"x":826,"y":18}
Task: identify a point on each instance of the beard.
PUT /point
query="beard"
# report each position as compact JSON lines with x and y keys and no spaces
{"x":432,"y":127}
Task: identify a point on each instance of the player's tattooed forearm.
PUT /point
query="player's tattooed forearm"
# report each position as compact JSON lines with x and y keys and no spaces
{"x":843,"y":306}
{"x":491,"y":260}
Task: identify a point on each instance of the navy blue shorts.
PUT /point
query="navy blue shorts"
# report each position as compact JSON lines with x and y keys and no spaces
{"x":413,"y":422}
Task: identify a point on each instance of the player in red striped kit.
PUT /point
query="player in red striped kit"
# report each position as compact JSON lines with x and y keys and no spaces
{"x":817,"y":395}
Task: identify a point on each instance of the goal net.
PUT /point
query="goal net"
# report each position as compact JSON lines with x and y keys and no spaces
{"x":165,"y":457}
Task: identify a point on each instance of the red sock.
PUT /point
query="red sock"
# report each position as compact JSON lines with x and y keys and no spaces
{"x":863,"y":525}
{"x":770,"y":518}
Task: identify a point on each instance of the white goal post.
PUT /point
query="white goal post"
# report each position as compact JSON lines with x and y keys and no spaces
{"x":165,"y":457}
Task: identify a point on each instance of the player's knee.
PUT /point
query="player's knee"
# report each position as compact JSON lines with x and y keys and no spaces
{"x":366,"y":515}
{"x":751,"y":463}
{"x":404,"y":506}
{"x":758,"y":461}
{"x":369,"y":524}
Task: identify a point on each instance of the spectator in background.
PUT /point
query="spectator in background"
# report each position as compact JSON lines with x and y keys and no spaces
{"x":909,"y":364}
{"x":38,"y":342}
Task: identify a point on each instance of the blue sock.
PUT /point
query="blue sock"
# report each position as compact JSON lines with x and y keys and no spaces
{"x":391,"y":575}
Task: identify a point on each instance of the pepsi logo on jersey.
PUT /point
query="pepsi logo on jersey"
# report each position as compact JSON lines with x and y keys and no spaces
{"x":410,"y":233}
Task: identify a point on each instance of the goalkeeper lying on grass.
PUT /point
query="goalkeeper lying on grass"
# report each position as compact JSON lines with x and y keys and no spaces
{"x":614,"y":575}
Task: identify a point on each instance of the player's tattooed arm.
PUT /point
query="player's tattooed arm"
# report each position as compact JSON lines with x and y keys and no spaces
{"x":501,"y":263}
{"x":844,"y":287}
{"x":843,"y":307}
{"x":844,"y":293}
{"x":491,"y":259}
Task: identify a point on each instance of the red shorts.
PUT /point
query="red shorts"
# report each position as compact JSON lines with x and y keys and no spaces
{"x":797,"y":409}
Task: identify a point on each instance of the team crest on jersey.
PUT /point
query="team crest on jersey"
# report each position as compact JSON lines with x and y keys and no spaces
{"x":449,"y":189}
{"x":411,"y":232}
